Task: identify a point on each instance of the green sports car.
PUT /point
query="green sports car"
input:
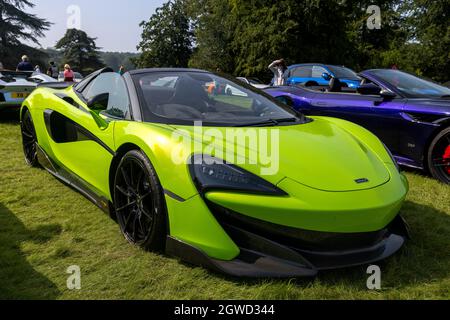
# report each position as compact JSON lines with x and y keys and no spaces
{"x":227,"y":179}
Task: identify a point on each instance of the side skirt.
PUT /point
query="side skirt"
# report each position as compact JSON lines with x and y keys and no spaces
{"x":72,"y":180}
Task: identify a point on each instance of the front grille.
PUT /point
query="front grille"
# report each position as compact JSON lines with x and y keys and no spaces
{"x":296,"y":238}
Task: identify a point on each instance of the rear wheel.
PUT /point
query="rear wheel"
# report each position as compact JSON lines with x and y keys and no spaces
{"x":29,"y":140}
{"x":439,"y":157}
{"x":139,"y":202}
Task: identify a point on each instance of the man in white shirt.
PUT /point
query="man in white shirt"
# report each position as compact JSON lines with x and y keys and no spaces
{"x":278,"y":68}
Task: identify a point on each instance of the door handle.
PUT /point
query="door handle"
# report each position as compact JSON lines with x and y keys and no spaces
{"x":321,"y":104}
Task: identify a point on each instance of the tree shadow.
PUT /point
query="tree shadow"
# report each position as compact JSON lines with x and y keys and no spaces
{"x":10,"y":116}
{"x":18,"y":279}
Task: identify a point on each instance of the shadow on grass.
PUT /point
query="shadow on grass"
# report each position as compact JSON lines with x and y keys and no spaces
{"x":424,"y":258}
{"x":18,"y":279}
{"x":10,"y":116}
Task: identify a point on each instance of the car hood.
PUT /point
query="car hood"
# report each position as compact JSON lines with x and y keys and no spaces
{"x":319,"y":154}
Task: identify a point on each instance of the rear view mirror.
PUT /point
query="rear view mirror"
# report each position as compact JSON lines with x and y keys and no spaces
{"x":99,"y":102}
{"x":369,"y":89}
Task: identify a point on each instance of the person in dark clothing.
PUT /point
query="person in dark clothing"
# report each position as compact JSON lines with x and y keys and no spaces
{"x":25,"y":65}
{"x":53,"y":70}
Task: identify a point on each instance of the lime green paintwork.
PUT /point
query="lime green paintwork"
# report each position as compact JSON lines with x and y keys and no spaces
{"x":318,"y":165}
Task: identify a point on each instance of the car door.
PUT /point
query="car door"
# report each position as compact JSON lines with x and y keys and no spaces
{"x":299,"y":75}
{"x":317,"y":72}
{"x":86,"y":142}
{"x":381,"y":116}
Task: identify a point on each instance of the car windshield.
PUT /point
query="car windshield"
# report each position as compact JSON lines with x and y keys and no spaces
{"x":254,"y":81}
{"x":343,"y":73}
{"x":185,"y":97}
{"x":411,"y":86}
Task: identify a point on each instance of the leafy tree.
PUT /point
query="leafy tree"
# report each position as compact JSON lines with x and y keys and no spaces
{"x":166,"y":37}
{"x":213,"y":35}
{"x":80,"y":51}
{"x":429,"y":42}
{"x":117,"y":59}
{"x":17,"y":25}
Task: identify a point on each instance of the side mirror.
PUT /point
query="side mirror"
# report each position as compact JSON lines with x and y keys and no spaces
{"x":369,"y":89}
{"x":387,"y":95}
{"x":326,"y":76}
{"x":99,"y":102}
{"x":96,"y":105}
{"x":286,"y":100}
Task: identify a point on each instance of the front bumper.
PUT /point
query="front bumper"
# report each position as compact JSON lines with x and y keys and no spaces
{"x":283,"y":257}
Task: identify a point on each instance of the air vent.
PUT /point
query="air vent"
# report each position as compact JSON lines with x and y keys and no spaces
{"x":425,"y":117}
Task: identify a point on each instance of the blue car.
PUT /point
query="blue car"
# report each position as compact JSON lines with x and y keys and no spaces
{"x":314,"y":74}
{"x":409,"y":114}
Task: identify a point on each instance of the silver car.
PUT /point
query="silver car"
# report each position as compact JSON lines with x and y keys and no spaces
{"x":16,"y":86}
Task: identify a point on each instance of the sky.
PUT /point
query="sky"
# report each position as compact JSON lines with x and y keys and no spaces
{"x":115,"y":23}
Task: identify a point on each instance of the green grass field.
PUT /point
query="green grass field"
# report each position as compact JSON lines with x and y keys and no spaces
{"x":45,"y":227}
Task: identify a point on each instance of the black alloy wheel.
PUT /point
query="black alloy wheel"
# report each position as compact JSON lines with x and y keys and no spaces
{"x":139,"y":202}
{"x":29,"y":140}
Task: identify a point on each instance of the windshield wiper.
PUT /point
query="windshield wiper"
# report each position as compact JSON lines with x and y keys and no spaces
{"x":268,"y":122}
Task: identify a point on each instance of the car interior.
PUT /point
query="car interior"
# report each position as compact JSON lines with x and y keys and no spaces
{"x":187,"y":98}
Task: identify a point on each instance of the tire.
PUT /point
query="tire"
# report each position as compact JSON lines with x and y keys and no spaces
{"x":439,"y":157}
{"x":29,"y":140}
{"x":139,"y":202}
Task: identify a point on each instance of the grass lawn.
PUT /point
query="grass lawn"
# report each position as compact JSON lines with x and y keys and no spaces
{"x":45,"y":227}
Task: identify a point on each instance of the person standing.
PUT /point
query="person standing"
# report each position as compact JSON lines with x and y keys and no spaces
{"x":68,"y":74}
{"x":53,"y":71}
{"x":37,"y":69}
{"x":121,"y":70}
{"x":25,"y":64}
{"x":278,"y":67}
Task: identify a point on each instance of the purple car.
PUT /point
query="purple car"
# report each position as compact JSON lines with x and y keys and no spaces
{"x":409,"y":114}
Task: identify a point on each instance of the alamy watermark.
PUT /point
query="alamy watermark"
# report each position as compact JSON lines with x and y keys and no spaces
{"x":239,"y":146}
{"x":374,"y":280}
{"x":374,"y":21}
{"x":74,"y":18}
{"x":74,"y":280}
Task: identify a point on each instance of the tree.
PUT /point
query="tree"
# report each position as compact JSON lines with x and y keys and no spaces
{"x":17,"y":25}
{"x":213,"y":35}
{"x":80,"y":51}
{"x":166,"y":37}
{"x":117,"y":59}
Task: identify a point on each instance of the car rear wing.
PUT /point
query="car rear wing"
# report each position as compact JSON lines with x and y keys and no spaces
{"x":55,"y":85}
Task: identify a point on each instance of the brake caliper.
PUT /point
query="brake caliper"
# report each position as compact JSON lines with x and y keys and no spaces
{"x":446,"y":159}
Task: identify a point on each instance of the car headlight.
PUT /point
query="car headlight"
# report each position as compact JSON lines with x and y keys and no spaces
{"x":393,"y":158}
{"x":210,"y":173}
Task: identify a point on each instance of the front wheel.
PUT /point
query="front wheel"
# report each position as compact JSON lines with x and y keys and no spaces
{"x":139,"y":202}
{"x":439,"y":157}
{"x":29,"y":140}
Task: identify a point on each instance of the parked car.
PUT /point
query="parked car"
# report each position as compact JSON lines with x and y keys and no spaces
{"x":312,"y":74}
{"x":132,"y":145}
{"x":77,"y":77}
{"x":254,"y":82}
{"x":409,"y":114}
{"x":16,"y":86}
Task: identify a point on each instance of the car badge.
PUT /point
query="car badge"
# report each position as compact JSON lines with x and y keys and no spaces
{"x":362,"y":180}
